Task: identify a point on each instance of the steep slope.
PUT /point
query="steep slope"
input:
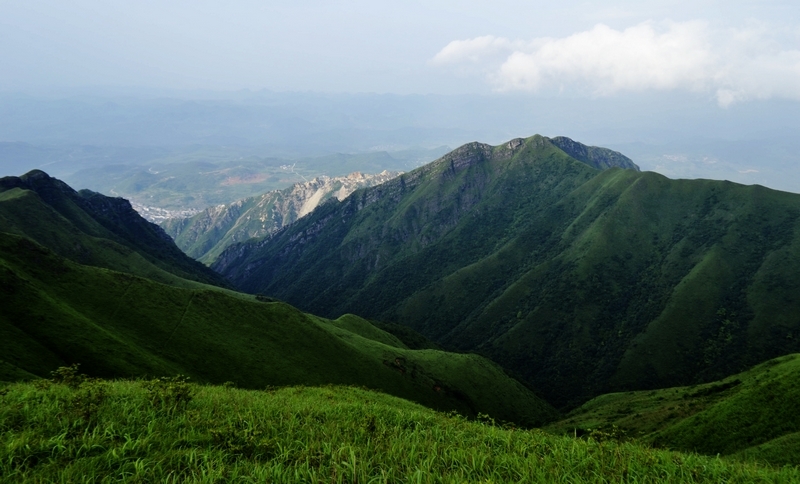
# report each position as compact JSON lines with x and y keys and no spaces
{"x":580,"y":281}
{"x":596,"y":157}
{"x":93,"y":229}
{"x":56,"y":312}
{"x":756,"y":409}
{"x":205,"y":235}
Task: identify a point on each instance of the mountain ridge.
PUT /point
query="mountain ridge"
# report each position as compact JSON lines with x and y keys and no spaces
{"x":92,"y":228}
{"x":205,"y":235}
{"x":581,"y":281}
{"x":57,"y":313}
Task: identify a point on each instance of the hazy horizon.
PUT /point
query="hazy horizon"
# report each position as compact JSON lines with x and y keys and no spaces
{"x":702,"y":89}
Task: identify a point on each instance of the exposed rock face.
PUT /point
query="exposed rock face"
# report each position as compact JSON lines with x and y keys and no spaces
{"x":205,"y":235}
{"x":600,"y":158}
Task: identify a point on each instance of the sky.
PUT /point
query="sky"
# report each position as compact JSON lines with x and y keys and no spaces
{"x":733,"y":51}
{"x":671,"y":83}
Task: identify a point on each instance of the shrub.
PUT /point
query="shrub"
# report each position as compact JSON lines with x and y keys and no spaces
{"x":88,"y":399}
{"x":68,"y":375}
{"x":169,"y":393}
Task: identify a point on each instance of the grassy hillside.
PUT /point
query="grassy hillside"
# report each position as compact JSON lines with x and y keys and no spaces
{"x":56,"y":312}
{"x":93,"y":229}
{"x":166,"y":430}
{"x":751,"y":415}
{"x":580,"y":281}
{"x":205,"y":235}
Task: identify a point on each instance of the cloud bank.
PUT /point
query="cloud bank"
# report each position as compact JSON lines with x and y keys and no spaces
{"x":734,"y":64}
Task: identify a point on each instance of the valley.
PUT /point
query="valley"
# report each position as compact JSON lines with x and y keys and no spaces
{"x":443,"y":242}
{"x":542,"y":295}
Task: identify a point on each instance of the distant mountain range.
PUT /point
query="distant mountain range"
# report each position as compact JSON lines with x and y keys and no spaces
{"x":178,"y":184}
{"x":561,"y":262}
{"x":205,"y":235}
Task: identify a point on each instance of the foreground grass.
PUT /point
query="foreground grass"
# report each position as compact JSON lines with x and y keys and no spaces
{"x":169,"y":431}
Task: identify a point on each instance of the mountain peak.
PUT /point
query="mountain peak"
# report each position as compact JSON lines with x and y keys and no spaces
{"x":95,"y":216}
{"x":594,"y":156}
{"x":532,"y":248}
{"x":36,"y":173}
{"x":36,"y":180}
{"x":475,"y":152}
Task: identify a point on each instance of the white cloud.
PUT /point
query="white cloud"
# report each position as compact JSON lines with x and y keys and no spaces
{"x":472,"y":50}
{"x":734,"y":64}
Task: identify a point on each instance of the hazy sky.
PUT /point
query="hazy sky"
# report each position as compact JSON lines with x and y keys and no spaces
{"x":699,"y":88}
{"x":732,"y":51}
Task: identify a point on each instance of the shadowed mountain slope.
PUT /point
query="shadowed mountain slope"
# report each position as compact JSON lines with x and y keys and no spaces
{"x":56,"y":312}
{"x":93,"y":229}
{"x":580,"y":281}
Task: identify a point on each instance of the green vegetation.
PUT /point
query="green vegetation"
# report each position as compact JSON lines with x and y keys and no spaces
{"x":593,"y":280}
{"x":752,"y":415}
{"x":95,"y":230}
{"x":579,"y":281}
{"x":166,"y":430}
{"x":56,"y":312}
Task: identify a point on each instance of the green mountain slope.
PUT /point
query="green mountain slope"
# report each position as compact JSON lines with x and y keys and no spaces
{"x":94,"y":229}
{"x":56,"y":312}
{"x":750,"y":415}
{"x":579,"y":281}
{"x":147,"y":431}
{"x":205,"y":235}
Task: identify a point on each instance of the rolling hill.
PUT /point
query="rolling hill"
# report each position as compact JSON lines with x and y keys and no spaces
{"x":580,"y":277}
{"x":749,"y":416}
{"x":109,"y":297}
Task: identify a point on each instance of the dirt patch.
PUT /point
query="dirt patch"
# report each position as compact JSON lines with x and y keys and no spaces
{"x":243,"y":180}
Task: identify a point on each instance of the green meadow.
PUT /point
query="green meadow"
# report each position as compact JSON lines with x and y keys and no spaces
{"x":167,"y":430}
{"x":748,"y":416}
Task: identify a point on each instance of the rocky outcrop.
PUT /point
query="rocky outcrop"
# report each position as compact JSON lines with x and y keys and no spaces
{"x":596,"y":157}
{"x":205,"y":235}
